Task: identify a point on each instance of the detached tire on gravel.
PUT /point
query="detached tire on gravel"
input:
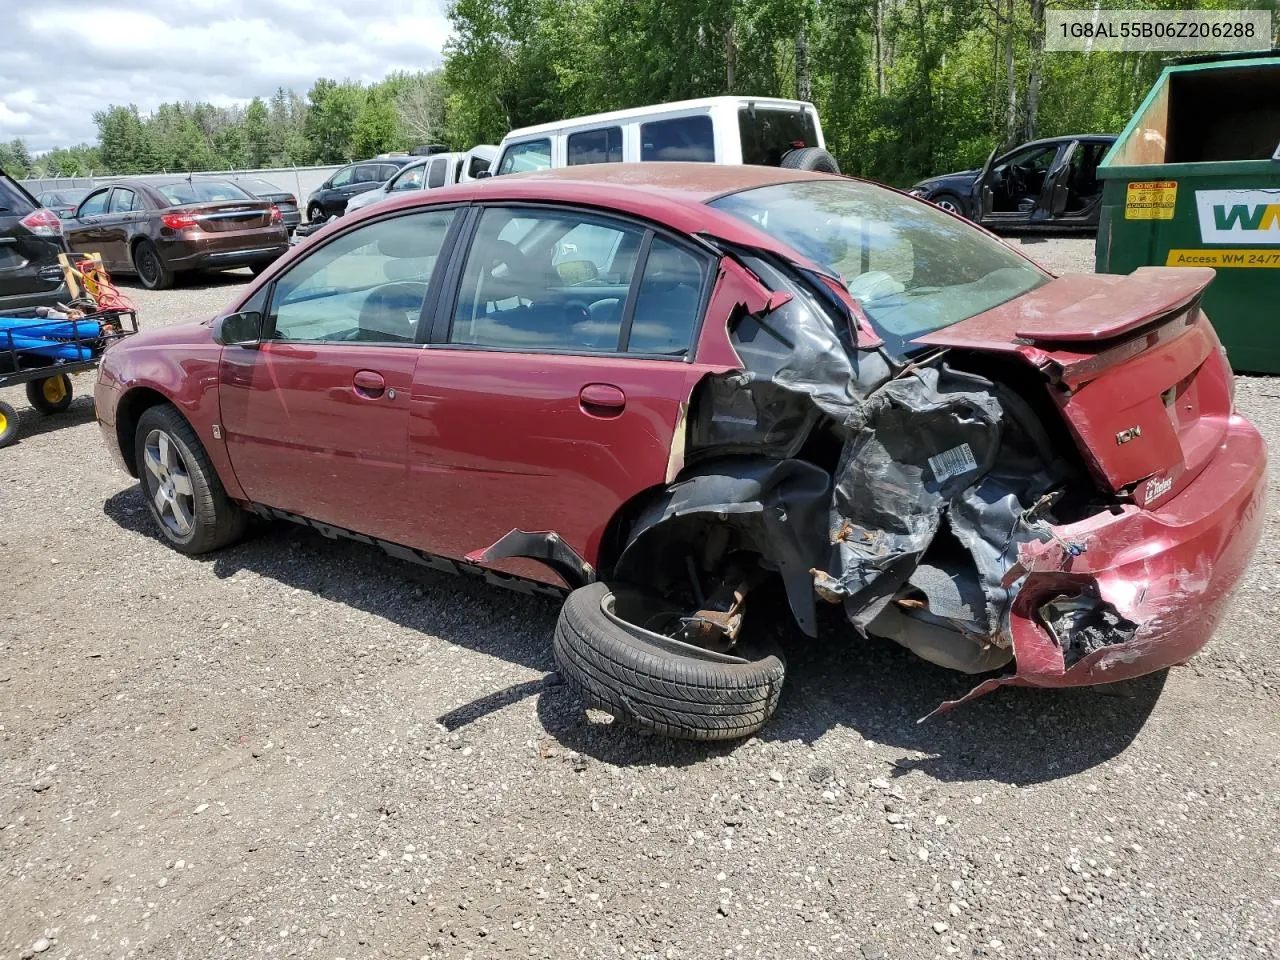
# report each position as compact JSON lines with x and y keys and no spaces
{"x":656,"y":683}
{"x":810,"y":158}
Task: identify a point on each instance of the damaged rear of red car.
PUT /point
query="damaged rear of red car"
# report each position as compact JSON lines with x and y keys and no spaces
{"x":1035,"y":479}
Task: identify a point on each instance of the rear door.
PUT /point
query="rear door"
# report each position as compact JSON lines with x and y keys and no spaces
{"x":29,"y":251}
{"x":315,"y":418}
{"x":557,"y":377}
{"x":124,"y":207}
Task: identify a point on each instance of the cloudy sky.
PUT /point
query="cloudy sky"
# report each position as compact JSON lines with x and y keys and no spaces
{"x":69,"y":58}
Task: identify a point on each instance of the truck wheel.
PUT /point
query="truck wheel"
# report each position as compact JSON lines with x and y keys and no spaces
{"x":183,"y":492}
{"x":810,"y":158}
{"x":658,"y":683}
{"x":50,"y":395}
{"x":9,"y":427}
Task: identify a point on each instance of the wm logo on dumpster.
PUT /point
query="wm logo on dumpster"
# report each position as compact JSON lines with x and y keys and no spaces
{"x":1239,"y":216}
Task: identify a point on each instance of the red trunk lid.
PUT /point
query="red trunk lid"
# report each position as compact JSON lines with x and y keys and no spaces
{"x":1132,"y":363}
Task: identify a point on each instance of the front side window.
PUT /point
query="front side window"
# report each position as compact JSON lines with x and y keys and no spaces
{"x":94,"y":205}
{"x":684,"y":138}
{"x":368,"y":285}
{"x":596,"y":146}
{"x":530,"y":155}
{"x":912,"y":268}
{"x":410,"y":179}
{"x":122,"y":201}
{"x":342,"y":177}
{"x":538,"y":280}
{"x":439,"y":173}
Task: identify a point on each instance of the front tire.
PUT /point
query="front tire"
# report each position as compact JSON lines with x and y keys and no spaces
{"x":153,"y":272}
{"x":314,"y":213}
{"x":659,"y":684}
{"x":183,"y":492}
{"x":950,"y":203}
{"x":50,"y":394}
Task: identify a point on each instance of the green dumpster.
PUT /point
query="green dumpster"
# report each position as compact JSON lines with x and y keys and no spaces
{"x":1194,"y":180}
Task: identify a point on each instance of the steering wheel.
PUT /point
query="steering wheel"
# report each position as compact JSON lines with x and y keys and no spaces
{"x":1017,"y":179}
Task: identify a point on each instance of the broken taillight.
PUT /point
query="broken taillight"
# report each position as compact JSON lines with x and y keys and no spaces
{"x":42,"y":222}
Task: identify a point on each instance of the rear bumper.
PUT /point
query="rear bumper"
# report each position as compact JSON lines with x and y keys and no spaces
{"x":44,"y":298}
{"x":220,"y":253}
{"x":1169,"y":572}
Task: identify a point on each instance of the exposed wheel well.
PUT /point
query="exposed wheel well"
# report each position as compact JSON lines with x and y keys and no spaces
{"x":128,"y":411}
{"x":618,"y":529}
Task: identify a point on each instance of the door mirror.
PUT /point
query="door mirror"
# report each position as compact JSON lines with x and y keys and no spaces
{"x":483,"y":174}
{"x":238,"y":329}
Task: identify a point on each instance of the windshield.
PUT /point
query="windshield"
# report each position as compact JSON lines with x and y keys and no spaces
{"x":911,"y":267}
{"x":201,"y":191}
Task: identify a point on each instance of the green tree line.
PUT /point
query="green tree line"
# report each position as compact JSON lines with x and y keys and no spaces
{"x":904,"y":88}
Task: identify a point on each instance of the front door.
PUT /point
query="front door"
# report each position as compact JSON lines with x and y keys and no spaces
{"x":84,"y":232}
{"x":316,"y":418}
{"x":1018,"y":183}
{"x":557,"y":379}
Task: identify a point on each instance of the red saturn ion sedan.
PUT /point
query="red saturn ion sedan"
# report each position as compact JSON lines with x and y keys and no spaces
{"x":665,"y":389}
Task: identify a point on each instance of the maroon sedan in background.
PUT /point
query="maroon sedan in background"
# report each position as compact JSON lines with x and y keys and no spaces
{"x":157,"y":229}
{"x":700,"y":397}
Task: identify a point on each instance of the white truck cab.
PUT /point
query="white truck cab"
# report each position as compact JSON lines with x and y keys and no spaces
{"x":431,"y":173}
{"x":732,"y":130}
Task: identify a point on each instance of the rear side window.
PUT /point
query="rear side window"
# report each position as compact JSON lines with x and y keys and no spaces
{"x":366,"y":286}
{"x":770,"y":134}
{"x":684,"y":138}
{"x":596,"y":146}
{"x":668,"y":301}
{"x":368,"y":173}
{"x":122,"y":201}
{"x":13,"y":199}
{"x":94,"y":205}
{"x":562,"y":285}
{"x":439,"y":173}
{"x":530,"y":155}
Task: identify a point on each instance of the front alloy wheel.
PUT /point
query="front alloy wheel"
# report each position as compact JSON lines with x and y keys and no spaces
{"x":182,"y":488}
{"x":169,"y":484}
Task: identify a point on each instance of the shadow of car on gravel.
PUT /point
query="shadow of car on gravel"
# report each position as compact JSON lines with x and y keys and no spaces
{"x":32,"y":424}
{"x":1019,"y":736}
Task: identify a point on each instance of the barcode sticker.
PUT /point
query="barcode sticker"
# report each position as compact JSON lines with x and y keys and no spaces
{"x":952,"y":463}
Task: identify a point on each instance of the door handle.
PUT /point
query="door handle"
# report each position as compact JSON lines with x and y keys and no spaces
{"x":602,"y":400}
{"x":369,"y":384}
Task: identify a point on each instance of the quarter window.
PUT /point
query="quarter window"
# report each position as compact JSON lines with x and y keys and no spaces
{"x":530,"y":155}
{"x":368,"y":285}
{"x":596,"y":146}
{"x":546,"y":281}
{"x":684,"y":138}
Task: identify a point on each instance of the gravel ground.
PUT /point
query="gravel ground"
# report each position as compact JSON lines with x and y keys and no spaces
{"x":300,"y":748}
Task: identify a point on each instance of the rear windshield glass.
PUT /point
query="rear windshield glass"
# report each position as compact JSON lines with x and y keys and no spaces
{"x":911,"y":267}
{"x":13,"y":200}
{"x":201,"y":191}
{"x":768,"y":133}
{"x":684,"y":138}
{"x":258,"y":188}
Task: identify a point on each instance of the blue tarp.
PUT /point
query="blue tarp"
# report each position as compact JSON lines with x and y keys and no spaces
{"x":47,"y":338}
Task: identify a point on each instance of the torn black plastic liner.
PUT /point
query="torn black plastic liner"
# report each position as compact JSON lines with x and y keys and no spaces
{"x":928,"y":502}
